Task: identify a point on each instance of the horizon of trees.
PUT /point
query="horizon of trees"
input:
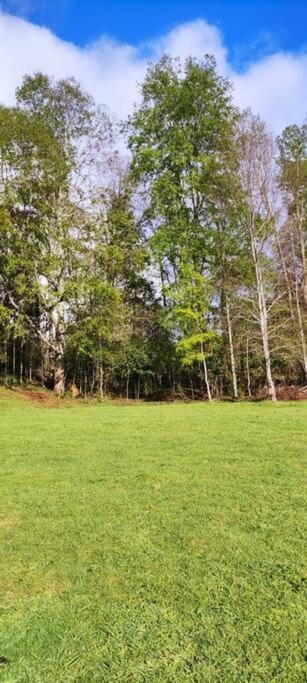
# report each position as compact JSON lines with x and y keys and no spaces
{"x":180,"y":267}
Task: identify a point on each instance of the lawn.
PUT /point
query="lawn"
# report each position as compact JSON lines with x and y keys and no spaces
{"x":148,"y":543}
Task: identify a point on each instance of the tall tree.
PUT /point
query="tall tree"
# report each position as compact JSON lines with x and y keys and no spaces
{"x":181,"y":143}
{"x":258,"y":178}
{"x":82,"y":133}
{"x":293,"y":248}
{"x":182,"y":269}
{"x":32,"y":167}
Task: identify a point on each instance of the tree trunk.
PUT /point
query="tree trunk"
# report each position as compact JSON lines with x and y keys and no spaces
{"x":301,"y":330}
{"x":207,"y":380}
{"x":57,"y":328}
{"x":59,"y":378}
{"x":21,"y":364}
{"x":162,"y":285}
{"x":299,"y":318}
{"x":30,"y":367}
{"x":265,"y":343}
{"x":205,"y":372}
{"x":304,"y":259}
{"x":192,"y":387}
{"x":14,"y":358}
{"x":101,"y":380}
{"x":247,"y":371}
{"x":127,"y":384}
{"x":305,"y":283}
{"x":263,"y":314}
{"x":5,"y":361}
{"x":93,"y":382}
{"x":232,"y":356}
{"x":42,"y":372}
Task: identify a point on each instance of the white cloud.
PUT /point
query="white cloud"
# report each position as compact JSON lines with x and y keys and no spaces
{"x":196,"y":38}
{"x":275,"y":86}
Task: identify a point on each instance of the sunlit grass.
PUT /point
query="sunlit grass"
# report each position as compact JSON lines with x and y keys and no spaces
{"x":151,"y":542}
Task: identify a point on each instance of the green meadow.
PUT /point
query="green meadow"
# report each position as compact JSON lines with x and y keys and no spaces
{"x":151,"y":542}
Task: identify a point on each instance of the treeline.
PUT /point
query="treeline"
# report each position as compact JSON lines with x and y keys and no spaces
{"x":180,"y":267}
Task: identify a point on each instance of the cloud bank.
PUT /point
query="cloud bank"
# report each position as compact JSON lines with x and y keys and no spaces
{"x":274,"y":86}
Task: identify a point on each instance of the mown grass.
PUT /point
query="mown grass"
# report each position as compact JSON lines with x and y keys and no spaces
{"x":152,"y":542}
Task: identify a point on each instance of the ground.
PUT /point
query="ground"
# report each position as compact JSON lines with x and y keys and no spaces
{"x":148,"y":543}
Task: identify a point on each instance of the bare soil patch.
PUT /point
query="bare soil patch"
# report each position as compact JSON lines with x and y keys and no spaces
{"x":42,"y":398}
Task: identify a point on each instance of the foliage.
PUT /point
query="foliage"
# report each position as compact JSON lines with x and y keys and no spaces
{"x":182,"y":265}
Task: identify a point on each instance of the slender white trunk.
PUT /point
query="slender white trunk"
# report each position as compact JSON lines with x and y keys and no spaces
{"x":232,"y":356}
{"x":265,"y":341}
{"x":263,"y":315}
{"x":301,"y":219}
{"x":207,"y":381}
{"x":205,"y":371}
{"x":206,"y":378}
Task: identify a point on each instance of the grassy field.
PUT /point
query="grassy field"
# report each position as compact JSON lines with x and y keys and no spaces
{"x":151,"y":542}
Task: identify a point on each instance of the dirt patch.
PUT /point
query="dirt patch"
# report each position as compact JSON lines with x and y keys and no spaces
{"x":42,"y":398}
{"x":284,"y":393}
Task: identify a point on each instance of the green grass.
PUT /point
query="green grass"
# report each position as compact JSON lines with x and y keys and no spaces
{"x":151,"y":542}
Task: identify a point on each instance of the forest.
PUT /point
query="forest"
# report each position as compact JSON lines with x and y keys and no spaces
{"x":161,"y":256}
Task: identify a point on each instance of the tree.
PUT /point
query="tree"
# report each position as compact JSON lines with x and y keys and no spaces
{"x":82,"y":133}
{"x":181,"y":269}
{"x":293,"y":242}
{"x":31,"y":170}
{"x":191,"y":314}
{"x":258,"y":180}
{"x":181,"y":140}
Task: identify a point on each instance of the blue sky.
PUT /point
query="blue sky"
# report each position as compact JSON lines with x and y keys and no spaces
{"x":260,"y":46}
{"x":249,"y":27}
